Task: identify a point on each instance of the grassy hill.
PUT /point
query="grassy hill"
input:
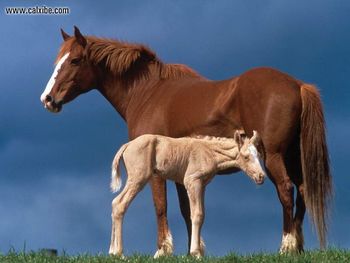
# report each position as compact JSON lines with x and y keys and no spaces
{"x":332,"y":255}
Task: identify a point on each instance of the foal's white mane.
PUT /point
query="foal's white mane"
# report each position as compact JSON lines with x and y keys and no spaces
{"x":210,"y":138}
{"x":215,"y":138}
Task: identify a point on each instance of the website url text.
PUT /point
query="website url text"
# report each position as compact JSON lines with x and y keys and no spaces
{"x":37,"y":10}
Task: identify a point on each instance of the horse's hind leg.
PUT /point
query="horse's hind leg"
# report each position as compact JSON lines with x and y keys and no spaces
{"x":119,"y":206}
{"x":299,"y":217}
{"x":285,"y":189}
{"x":165,"y":241}
{"x":293,"y":164}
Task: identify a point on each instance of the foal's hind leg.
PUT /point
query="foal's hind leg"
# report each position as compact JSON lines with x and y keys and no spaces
{"x":285,"y":189}
{"x":119,"y":206}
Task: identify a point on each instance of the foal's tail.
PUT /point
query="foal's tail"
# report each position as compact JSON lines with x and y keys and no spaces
{"x":116,"y":181}
{"x":315,"y":160}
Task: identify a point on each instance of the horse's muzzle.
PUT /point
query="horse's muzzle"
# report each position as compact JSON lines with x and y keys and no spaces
{"x":52,"y":105}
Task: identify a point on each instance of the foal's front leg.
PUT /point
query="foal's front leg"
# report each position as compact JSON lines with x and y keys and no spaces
{"x":186,"y":214}
{"x":195,"y":190}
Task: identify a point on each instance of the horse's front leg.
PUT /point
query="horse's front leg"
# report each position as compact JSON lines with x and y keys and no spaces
{"x":185,"y":210}
{"x":165,"y":240}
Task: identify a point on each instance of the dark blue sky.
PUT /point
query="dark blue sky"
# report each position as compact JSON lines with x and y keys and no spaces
{"x":55,"y":169}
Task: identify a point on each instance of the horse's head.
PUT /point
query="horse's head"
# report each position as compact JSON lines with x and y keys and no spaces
{"x":73,"y":74}
{"x":248,"y":156}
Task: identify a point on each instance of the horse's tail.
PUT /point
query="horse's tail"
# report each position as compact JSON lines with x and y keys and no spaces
{"x":116,"y":182}
{"x":317,"y":179}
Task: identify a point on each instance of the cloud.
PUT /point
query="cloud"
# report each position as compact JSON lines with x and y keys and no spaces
{"x":57,"y":211}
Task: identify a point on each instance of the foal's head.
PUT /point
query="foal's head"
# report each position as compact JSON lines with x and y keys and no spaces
{"x":248,"y":160}
{"x":73,"y":74}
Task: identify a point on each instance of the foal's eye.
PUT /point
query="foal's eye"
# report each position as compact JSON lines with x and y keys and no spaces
{"x":75,"y":61}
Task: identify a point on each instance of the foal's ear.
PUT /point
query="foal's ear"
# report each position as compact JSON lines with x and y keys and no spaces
{"x":80,"y":38}
{"x":255,"y":139}
{"x":64,"y":35}
{"x":238,"y":139}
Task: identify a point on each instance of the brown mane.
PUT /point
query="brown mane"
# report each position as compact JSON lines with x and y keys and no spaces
{"x":175,"y":71}
{"x":119,"y":57}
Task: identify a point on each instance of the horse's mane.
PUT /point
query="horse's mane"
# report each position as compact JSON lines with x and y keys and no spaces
{"x":174,"y":71}
{"x":119,"y":57}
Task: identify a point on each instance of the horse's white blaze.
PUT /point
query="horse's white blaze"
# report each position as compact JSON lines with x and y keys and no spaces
{"x":52,"y":80}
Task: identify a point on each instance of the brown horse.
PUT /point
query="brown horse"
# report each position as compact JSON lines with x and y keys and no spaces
{"x":174,"y":100}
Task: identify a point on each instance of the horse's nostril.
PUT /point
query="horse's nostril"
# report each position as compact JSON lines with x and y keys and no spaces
{"x":48,"y":98}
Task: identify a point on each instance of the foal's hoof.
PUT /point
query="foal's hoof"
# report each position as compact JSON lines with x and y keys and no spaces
{"x":118,"y":255}
{"x":196,"y":254}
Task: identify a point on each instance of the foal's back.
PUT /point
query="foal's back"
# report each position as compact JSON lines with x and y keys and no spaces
{"x":171,"y":158}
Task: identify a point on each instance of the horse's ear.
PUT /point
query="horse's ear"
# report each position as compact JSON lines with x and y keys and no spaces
{"x":238,"y":139}
{"x":80,"y":38}
{"x":64,"y":35}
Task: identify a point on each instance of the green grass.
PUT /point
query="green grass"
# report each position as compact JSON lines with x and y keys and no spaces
{"x":332,"y":255}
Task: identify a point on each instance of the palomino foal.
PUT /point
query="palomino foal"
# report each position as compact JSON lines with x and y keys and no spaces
{"x":192,"y":162}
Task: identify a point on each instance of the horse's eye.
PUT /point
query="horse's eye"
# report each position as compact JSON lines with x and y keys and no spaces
{"x":75,"y":61}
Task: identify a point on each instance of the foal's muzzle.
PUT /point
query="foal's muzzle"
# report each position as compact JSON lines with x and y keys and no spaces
{"x":259,"y":179}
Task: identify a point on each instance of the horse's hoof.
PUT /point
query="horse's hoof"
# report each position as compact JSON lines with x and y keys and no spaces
{"x":289,"y":244}
{"x":162,"y":253}
{"x":166,"y":248}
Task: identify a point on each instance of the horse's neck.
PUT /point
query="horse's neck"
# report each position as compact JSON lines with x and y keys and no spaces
{"x":120,"y":93}
{"x":138,"y":87}
{"x":114,"y":94}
